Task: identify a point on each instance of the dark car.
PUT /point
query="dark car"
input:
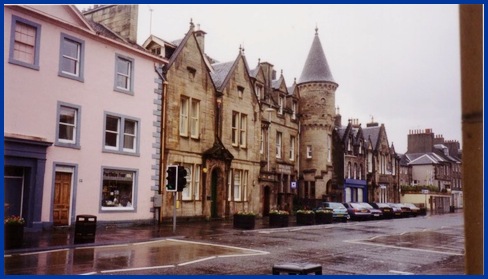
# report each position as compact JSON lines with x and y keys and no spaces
{"x":339,"y":211}
{"x":405,"y":210}
{"x":388,"y":212}
{"x":375,"y":213}
{"x":357,"y":211}
{"x":414,"y":210}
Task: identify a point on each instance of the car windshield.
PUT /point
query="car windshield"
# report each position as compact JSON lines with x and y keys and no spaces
{"x":334,"y":205}
{"x":366,"y":205}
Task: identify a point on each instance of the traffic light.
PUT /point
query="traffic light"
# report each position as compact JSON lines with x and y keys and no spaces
{"x":171,"y":176}
{"x":181,"y":182}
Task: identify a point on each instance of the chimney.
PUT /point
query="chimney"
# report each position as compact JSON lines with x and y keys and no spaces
{"x":121,"y":19}
{"x":338,"y":118}
{"x":200,"y":35}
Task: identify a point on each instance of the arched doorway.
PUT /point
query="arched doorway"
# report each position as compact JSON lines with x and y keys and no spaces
{"x":266,"y":200}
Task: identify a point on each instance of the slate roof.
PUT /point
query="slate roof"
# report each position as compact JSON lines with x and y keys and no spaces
{"x":106,"y":32}
{"x":220,"y":72}
{"x":372,"y":133}
{"x":254,"y":72}
{"x":428,"y":158}
{"x":316,"y":68}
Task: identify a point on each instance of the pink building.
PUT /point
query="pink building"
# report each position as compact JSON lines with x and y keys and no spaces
{"x":81,"y":119}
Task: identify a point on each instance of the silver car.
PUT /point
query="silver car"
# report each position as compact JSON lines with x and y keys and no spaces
{"x":339,"y":211}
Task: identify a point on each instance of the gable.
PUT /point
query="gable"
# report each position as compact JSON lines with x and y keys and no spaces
{"x":66,"y":13}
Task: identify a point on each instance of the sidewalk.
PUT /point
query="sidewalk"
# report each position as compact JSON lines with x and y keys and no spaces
{"x":106,"y":234}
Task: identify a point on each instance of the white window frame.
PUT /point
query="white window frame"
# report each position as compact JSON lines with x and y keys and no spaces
{"x":261,"y":142}
{"x":195,"y":118}
{"x":184,"y":115}
{"x":243,"y":130}
{"x":309,"y":151}
{"x":129,"y":87}
{"x":74,"y":142}
{"x":292,"y":148}
{"x":20,"y":44}
{"x":239,"y":129}
{"x":111,"y":175}
{"x":235,"y":128}
{"x":281,"y":102}
{"x":237,"y":184}
{"x":121,"y":135}
{"x":192,"y":189}
{"x":294,"y":110}
{"x":279,"y":144}
{"x":77,"y":58}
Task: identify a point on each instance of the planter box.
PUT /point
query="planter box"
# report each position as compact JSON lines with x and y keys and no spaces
{"x":245,"y":222}
{"x":13,"y":236}
{"x":323,"y":218}
{"x":305,"y":219}
{"x":278,"y":220}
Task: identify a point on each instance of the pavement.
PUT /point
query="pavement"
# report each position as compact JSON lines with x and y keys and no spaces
{"x":109,"y":234}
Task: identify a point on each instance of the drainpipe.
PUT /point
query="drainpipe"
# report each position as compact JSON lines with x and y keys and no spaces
{"x":163,"y":155}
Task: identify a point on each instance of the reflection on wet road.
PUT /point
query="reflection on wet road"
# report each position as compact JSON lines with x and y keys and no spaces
{"x":426,"y":241}
{"x":166,"y":253}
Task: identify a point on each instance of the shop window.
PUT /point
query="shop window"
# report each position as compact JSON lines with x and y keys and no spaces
{"x":118,"y":188}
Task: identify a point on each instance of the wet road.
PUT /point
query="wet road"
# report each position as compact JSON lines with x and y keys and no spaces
{"x":421,"y":245}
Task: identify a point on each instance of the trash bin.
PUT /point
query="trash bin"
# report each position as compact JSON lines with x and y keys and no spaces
{"x":451,"y":208}
{"x":423,"y":211}
{"x":85,"y":229}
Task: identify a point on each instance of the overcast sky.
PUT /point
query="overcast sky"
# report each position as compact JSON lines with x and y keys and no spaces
{"x":399,"y":64}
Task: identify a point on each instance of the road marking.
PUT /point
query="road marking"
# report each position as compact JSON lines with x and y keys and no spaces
{"x":224,"y":246}
{"x":43,"y":252}
{"x":197,"y":261}
{"x":403,"y":248}
{"x":89,"y":273}
{"x":401,"y":272}
{"x":136,"y":268}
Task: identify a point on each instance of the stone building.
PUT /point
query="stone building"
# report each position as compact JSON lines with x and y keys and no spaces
{"x":382,"y":165}
{"x":432,"y":161}
{"x":349,"y":155}
{"x":316,"y":104}
{"x":278,"y":142}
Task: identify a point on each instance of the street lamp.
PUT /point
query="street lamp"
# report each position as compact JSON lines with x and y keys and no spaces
{"x":269,"y":110}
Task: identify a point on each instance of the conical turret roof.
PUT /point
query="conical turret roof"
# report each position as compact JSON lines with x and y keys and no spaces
{"x":316,"y":68}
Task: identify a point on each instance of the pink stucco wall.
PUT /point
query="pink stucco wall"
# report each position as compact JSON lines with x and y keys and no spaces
{"x":30,"y":109}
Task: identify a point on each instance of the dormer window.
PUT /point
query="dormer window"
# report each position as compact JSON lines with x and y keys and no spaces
{"x":156,"y":50}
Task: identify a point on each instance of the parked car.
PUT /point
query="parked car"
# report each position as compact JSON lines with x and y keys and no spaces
{"x":339,"y":211}
{"x":405,"y":210}
{"x":375,"y":213}
{"x":357,"y":211}
{"x":387,"y":210}
{"x":414,"y":210}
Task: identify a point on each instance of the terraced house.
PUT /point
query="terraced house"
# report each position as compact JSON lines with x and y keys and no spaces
{"x":101,"y":119}
{"x":81,"y":126}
